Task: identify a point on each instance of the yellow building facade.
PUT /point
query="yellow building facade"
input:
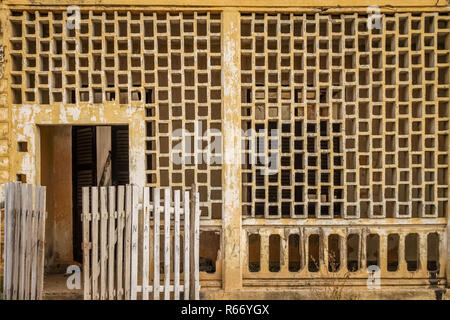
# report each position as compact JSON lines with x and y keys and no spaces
{"x":332,"y":121}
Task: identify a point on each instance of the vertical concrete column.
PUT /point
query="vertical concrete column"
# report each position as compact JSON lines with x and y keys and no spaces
{"x":383,"y":253}
{"x":264,"y":253}
{"x":284,"y":253}
{"x":136,"y":127}
{"x":422,"y":267}
{"x":231,"y":219}
{"x":401,"y":253}
{"x":5,"y":115}
{"x":324,"y":250}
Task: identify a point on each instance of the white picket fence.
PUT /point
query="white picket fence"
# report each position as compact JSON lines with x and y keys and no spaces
{"x":116,"y":255}
{"x":24,"y":234}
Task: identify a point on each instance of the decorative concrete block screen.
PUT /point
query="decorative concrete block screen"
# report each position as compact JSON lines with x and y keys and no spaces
{"x":171,"y":62}
{"x":355,"y":120}
{"x":185,"y":112}
{"x":344,"y":129}
{"x":354,"y":123}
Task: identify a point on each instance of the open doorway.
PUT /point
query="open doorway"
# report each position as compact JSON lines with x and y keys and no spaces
{"x":99,"y":158}
{"x":73,"y":157}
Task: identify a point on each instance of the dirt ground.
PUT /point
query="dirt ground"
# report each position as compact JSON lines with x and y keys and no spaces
{"x":55,"y":288}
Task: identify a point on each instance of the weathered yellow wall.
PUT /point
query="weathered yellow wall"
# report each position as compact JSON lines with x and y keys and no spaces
{"x":19,"y":123}
{"x":26,"y":118}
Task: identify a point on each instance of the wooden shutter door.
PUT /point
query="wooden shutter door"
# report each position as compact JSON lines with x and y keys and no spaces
{"x":120,"y":155}
{"x":84,"y":173}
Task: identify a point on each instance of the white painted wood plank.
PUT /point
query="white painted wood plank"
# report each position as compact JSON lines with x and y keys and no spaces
{"x":41,"y":248}
{"x":156,"y":233}
{"x":95,"y":218}
{"x":167,"y":222}
{"x":7,"y":267}
{"x":8,"y":242}
{"x":193,"y":210}
{"x":34,"y":249}
{"x":28,"y":241}
{"x":176,"y":254}
{"x":23,"y":241}
{"x":127,"y":253}
{"x":145,"y":243}
{"x":2,"y":209}
{"x":111,"y":237}
{"x":186,"y":255}
{"x":86,"y":243}
{"x":5,"y":237}
{"x":103,"y":245}
{"x":119,"y":254}
{"x":197,"y":247}
{"x":16,"y":242}
{"x":134,"y":242}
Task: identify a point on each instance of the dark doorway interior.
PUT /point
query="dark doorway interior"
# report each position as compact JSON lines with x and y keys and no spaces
{"x":100,"y":157}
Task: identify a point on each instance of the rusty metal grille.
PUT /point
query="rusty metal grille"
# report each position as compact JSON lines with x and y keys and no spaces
{"x":356,"y":119}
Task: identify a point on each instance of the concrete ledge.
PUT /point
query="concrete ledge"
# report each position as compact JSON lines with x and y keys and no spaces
{"x":330,"y":293}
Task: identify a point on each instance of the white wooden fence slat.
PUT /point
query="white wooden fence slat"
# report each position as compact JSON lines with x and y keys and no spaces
{"x":103,"y":248}
{"x":5,"y":248}
{"x":41,"y":241}
{"x":167,"y":221}
{"x":2,"y":209}
{"x":86,"y":271}
{"x":23,"y":241}
{"x":187,"y":242}
{"x":193,"y":213}
{"x":94,"y":238}
{"x":119,"y":241}
{"x":145,"y":243}
{"x":197,"y":247}
{"x":6,"y":237}
{"x":16,"y":229}
{"x":8,"y":243}
{"x":111,"y":259}
{"x":7,"y":240}
{"x":28,"y":241}
{"x":176,"y":255}
{"x":34,"y":247}
{"x":156,"y":232}
{"x":127,"y":253}
{"x":119,"y":254}
{"x":134,"y":242}
{"x":23,"y":221}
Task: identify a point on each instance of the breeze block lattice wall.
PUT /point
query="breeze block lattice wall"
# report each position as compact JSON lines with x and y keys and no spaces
{"x":345,"y":128}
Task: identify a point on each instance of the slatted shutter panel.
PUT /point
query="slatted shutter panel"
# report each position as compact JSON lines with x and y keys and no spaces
{"x":84,"y":162}
{"x":120,"y":155}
